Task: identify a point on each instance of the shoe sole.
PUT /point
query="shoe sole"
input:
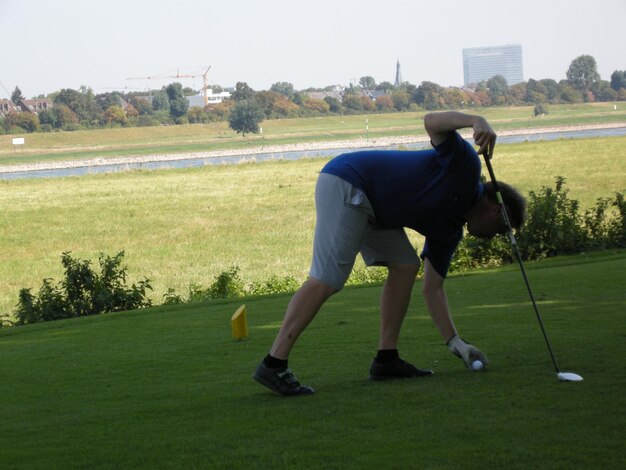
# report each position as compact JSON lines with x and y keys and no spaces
{"x":379,"y":378}
{"x":270,"y":386}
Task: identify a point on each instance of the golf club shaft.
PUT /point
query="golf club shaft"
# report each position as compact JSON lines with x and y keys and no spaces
{"x":519,"y":259}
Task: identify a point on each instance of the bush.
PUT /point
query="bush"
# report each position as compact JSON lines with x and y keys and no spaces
{"x":229,"y":285}
{"x":555,"y":227}
{"x":616,"y":233}
{"x":371,"y":275}
{"x":275,"y":285}
{"x":540,"y":110}
{"x":476,"y":252}
{"x":83,"y":292}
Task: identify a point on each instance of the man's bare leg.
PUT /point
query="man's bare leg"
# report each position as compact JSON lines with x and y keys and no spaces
{"x":302,"y":308}
{"x":394,"y":303}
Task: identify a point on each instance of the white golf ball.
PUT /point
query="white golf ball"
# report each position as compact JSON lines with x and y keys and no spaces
{"x":477,"y":365}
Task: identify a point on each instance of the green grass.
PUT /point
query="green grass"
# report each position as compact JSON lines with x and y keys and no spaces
{"x":179,"y":227}
{"x":216,"y":136}
{"x":168,"y":388}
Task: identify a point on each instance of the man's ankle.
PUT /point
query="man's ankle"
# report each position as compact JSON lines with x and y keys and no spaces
{"x":386,"y":356}
{"x":275,"y":363}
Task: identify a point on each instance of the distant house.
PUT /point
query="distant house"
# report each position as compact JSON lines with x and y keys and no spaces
{"x":8,"y":106}
{"x":34,"y":106}
{"x":338,"y":94}
{"x":211,"y":98}
{"x":373,"y":94}
{"x":25,"y":106}
{"x":320,"y":95}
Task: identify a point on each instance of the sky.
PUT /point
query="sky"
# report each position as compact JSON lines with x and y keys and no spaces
{"x":48,"y":45}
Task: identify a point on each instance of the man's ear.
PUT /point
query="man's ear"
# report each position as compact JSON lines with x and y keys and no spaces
{"x":494,"y":208}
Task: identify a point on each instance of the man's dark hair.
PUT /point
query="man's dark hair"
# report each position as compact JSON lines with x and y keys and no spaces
{"x":513,"y":200}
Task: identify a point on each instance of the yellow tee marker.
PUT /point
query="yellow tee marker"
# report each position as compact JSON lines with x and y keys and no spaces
{"x":239,"y":323}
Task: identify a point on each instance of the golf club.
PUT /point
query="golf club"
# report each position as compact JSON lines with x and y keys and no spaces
{"x":563,"y":376}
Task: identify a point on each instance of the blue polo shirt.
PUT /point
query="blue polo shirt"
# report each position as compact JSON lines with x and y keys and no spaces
{"x":428,"y":191}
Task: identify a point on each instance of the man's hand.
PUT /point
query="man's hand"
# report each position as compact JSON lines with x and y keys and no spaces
{"x":484,"y":137}
{"x":466,"y":351}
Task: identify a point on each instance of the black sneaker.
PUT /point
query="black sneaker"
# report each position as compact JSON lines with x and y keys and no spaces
{"x":396,"y":369}
{"x":280,"y":381}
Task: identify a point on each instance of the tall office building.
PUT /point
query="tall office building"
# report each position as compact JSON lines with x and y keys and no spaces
{"x":482,"y":63}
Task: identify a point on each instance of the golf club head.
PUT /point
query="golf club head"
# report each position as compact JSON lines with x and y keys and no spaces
{"x":569,"y":377}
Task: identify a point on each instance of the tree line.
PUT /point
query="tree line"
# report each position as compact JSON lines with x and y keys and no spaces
{"x":247,"y":108}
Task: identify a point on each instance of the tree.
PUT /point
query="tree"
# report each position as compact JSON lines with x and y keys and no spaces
{"x":536,"y":92}
{"x":427,"y":95}
{"x":367,"y":103}
{"x":179,"y":107}
{"x":551,"y":89}
{"x":26,"y":121}
{"x":283,"y":88}
{"x":245,"y":117}
{"x":618,"y":79}
{"x":400,"y":99}
{"x":384,"y":103}
{"x":583,"y":73}
{"x":66,"y":118}
{"x":174,"y":90}
{"x":142,"y":105}
{"x":456,"y":98}
{"x":284,"y":107}
{"x":160,"y":101}
{"x":367,"y":82}
{"x":316,"y":106}
{"x":516,"y":94}
{"x":106,"y":100}
{"x":220,"y":111}
{"x":82,"y":102}
{"x":114,"y":115}
{"x":568,"y":94}
{"x":352,"y":102}
{"x":196,"y":115}
{"x":17,"y":96}
{"x":242,"y":92}
{"x":178,"y":103}
{"x":334,"y":104}
{"x":387,"y":87}
{"x":498,"y":87}
{"x":266,"y":100}
{"x":47,"y":117}
{"x":603,"y":92}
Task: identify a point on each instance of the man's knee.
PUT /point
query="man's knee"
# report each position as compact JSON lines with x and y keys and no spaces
{"x":404,"y":270}
{"x":318,"y":287}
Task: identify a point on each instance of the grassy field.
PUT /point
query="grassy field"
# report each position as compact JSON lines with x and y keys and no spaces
{"x":204,"y":137}
{"x":167,"y":387}
{"x":179,"y":227}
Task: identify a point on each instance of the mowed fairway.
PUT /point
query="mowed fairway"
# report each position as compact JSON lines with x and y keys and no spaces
{"x":167,"y":387}
{"x":179,"y":227}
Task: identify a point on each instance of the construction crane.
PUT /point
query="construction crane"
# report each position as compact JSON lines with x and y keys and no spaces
{"x":165,"y":76}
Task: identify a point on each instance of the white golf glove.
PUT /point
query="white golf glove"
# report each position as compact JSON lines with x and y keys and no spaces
{"x":466,"y":351}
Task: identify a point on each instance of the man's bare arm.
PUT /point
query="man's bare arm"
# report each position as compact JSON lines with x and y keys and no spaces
{"x":437,"y":302}
{"x":440,"y":125}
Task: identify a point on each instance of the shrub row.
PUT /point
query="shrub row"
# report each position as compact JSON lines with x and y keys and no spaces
{"x":555,"y":226}
{"x":83,"y":292}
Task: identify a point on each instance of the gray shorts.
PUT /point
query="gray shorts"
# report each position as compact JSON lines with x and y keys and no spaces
{"x":346,"y":226}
